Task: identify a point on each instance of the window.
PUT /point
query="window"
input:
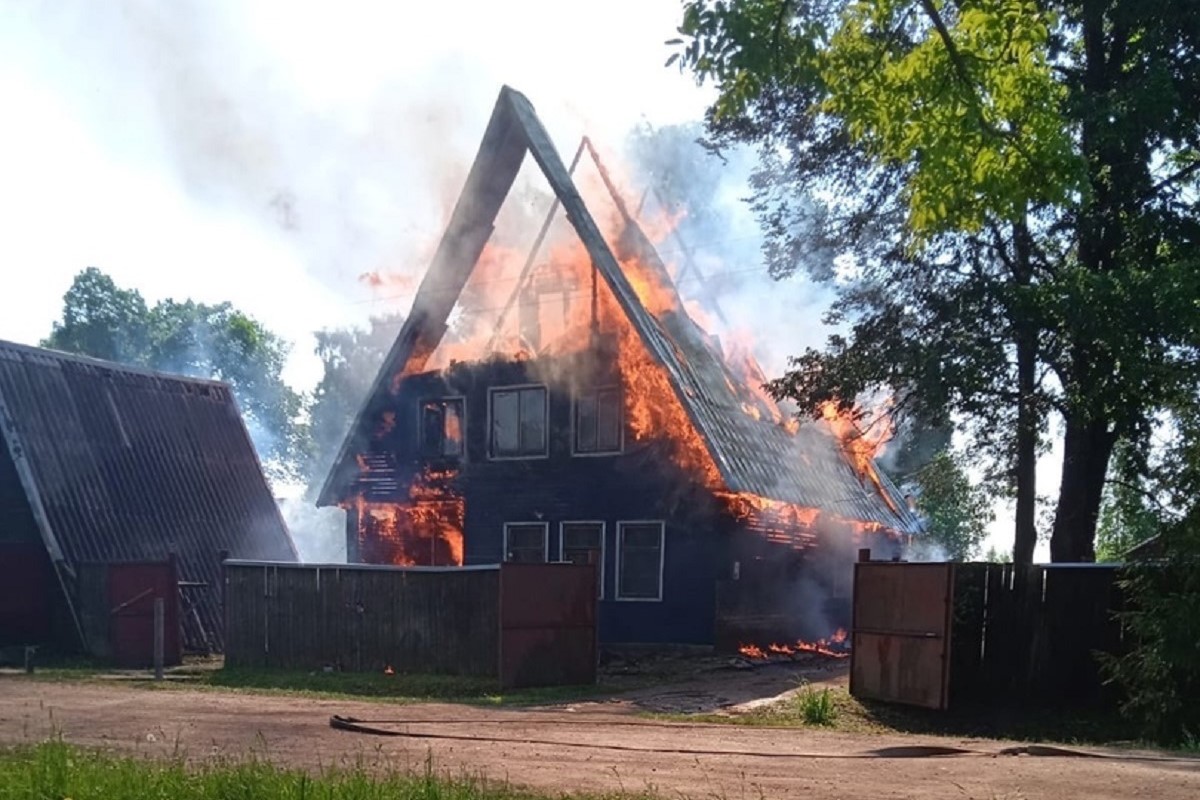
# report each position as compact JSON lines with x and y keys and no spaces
{"x":583,"y":543}
{"x":442,"y":427}
{"x":598,"y":421}
{"x":639,"y":560}
{"x":526,"y":542}
{"x":518,"y":422}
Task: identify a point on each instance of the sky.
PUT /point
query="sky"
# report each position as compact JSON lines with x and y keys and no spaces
{"x":270,"y":153}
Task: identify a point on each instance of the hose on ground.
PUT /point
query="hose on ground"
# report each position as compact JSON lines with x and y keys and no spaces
{"x":370,"y":727}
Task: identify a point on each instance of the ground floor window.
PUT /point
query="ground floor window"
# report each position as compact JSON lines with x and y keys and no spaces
{"x":583,"y":543}
{"x":639,"y":560}
{"x":526,"y":542}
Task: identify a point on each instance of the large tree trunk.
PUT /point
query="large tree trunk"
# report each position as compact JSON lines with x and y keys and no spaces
{"x":1025,"y":536}
{"x":1087,"y":447}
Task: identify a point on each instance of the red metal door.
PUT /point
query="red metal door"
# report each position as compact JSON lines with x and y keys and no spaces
{"x":132,"y":590}
{"x":901,"y":633}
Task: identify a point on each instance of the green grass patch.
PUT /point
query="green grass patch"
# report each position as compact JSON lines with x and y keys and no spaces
{"x":816,"y":706}
{"x":398,"y":687}
{"x":834,"y":708}
{"x":59,"y":771}
{"x":328,"y":685}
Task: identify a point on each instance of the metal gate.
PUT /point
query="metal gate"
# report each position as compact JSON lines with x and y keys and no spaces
{"x":547,"y":625}
{"x":901,"y":632}
{"x":132,"y":589}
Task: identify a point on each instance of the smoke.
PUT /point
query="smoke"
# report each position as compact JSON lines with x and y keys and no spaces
{"x":318,"y":533}
{"x":718,"y":246}
{"x":197,"y":90}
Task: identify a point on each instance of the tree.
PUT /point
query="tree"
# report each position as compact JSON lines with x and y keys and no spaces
{"x":219,"y":342}
{"x":352,"y":357}
{"x":102,"y":320}
{"x":1126,"y":516}
{"x":956,"y":513}
{"x":1014,"y":184}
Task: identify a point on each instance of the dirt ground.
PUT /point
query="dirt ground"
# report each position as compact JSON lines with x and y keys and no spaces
{"x":580,"y":747}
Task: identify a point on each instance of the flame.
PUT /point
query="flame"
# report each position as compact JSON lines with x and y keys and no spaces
{"x":426,"y":531}
{"x":556,"y":307}
{"x":833,"y":646}
{"x":388,"y":670}
{"x":387,"y":424}
{"x":862,"y":444}
{"x":379,"y":280}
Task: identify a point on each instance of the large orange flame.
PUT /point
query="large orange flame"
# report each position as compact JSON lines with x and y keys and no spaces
{"x":558,"y":307}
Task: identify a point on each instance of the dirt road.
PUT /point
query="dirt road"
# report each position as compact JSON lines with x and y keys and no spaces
{"x":585,"y":747}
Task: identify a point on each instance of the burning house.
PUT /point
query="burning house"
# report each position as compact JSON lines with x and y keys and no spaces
{"x":119,"y":485}
{"x":571,"y":406}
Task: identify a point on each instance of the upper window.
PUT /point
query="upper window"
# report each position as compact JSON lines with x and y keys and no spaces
{"x":442,"y":427}
{"x":518,"y":424}
{"x":598,"y":421}
{"x":639,"y":560}
{"x":526,"y":542}
{"x":583,"y":543}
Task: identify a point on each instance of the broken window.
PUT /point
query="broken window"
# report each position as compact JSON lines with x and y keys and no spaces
{"x":639,"y":560}
{"x":518,"y":422}
{"x":583,"y":543}
{"x":598,"y":421}
{"x":442,"y":428}
{"x":526,"y":542}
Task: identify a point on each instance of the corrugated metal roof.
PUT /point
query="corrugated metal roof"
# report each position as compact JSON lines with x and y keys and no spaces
{"x":125,"y":464}
{"x":757,"y":457}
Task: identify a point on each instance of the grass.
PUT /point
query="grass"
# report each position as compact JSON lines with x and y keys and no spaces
{"x":399,"y":687}
{"x":57,"y":770}
{"x":834,"y":708}
{"x":816,"y":707}
{"x":370,"y":686}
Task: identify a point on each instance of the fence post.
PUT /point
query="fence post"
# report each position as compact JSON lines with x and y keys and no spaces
{"x":159,"y":613}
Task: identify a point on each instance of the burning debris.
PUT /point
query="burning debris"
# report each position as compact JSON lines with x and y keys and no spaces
{"x":837,"y":645}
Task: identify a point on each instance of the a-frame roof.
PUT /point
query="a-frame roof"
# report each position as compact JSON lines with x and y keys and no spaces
{"x":759,"y":457}
{"x":119,"y":464}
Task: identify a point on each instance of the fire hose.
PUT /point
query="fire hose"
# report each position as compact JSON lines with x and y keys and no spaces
{"x":370,"y":727}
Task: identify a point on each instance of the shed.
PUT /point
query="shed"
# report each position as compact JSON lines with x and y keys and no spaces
{"x":103,"y":464}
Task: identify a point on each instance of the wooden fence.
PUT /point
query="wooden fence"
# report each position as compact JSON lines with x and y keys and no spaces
{"x":1033,"y":633}
{"x":1007,"y":634}
{"x":523,"y":624}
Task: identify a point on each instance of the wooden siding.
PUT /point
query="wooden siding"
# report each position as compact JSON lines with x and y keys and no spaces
{"x":362,"y":618}
{"x":641,"y":483}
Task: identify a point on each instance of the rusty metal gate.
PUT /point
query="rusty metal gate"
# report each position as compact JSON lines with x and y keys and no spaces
{"x":901,"y":632}
{"x":548,"y":624}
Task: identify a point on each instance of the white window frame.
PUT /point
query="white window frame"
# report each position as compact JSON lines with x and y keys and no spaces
{"x":421,"y":422}
{"x":662,"y":558}
{"x":492,"y":390}
{"x":620,"y":422}
{"x":603,"y":545}
{"x":545,"y":526}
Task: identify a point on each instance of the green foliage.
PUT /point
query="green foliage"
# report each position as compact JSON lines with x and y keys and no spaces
{"x":816,"y":706}
{"x":994,"y":556}
{"x":102,"y":320}
{"x":1015,"y":186}
{"x":956,"y":512}
{"x":351,"y":359}
{"x":977,"y":125}
{"x":57,"y":770}
{"x":1126,"y":518}
{"x":1160,"y":675}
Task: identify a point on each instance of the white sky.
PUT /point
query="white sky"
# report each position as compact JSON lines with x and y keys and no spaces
{"x":159,"y":142}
